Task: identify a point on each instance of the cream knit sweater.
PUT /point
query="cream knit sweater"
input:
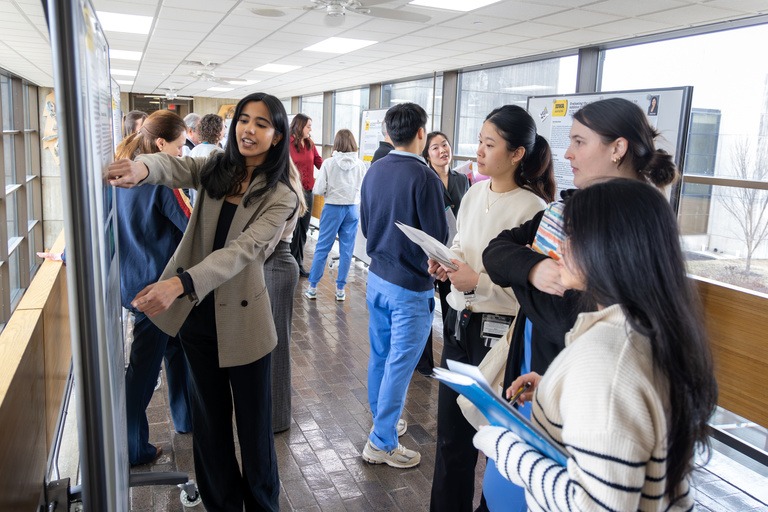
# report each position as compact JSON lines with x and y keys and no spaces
{"x":603,"y":402}
{"x":476,"y":229}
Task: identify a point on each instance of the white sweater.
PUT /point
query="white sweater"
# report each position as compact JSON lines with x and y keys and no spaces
{"x":601,"y":400}
{"x":340,"y":178}
{"x":476,"y":229}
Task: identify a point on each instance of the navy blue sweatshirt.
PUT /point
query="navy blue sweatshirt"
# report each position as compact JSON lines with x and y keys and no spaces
{"x":400,"y":187}
{"x":151,"y":220}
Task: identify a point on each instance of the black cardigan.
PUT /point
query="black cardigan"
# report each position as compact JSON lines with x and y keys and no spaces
{"x":508,"y":262}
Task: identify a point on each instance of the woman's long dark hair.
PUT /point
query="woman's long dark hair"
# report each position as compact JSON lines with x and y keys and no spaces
{"x":615,"y":118}
{"x":536,"y":170}
{"x":623,"y":238}
{"x":162,"y":124}
{"x":224,"y":171}
{"x":298,"y":124}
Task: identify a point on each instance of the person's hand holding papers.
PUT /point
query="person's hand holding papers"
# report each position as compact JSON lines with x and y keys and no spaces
{"x":436,"y":270}
{"x":464,"y":279}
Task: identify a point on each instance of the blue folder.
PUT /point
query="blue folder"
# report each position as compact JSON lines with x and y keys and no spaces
{"x":468,"y":381}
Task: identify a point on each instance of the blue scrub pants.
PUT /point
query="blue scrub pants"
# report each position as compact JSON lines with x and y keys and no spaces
{"x":501,"y":494}
{"x":398,"y":325}
{"x":336,"y":219}
{"x":149,"y":346}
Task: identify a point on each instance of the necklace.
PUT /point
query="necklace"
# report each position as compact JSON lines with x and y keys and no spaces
{"x":488,"y":199}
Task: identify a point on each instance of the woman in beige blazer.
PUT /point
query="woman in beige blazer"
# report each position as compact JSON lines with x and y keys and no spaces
{"x":213,"y":294}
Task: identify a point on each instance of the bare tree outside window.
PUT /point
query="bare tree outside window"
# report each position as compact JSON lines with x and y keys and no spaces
{"x":749,"y":206}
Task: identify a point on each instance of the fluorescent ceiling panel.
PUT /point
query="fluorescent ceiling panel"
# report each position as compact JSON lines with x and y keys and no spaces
{"x":276,"y":68}
{"x":124,"y":54}
{"x":129,"y":23}
{"x":222,"y":89}
{"x":240,"y":83}
{"x":453,"y":5}
{"x":122,"y":72}
{"x":124,"y":82}
{"x":339,"y":45}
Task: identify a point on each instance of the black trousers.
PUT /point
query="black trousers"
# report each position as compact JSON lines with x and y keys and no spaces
{"x":300,"y":232}
{"x":427,"y":361}
{"x":214,"y":390}
{"x":453,"y":485}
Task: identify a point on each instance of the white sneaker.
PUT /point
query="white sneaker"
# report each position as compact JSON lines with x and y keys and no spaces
{"x":311,"y":293}
{"x":400,"y":457}
{"x":402,"y":427}
{"x":340,"y":295}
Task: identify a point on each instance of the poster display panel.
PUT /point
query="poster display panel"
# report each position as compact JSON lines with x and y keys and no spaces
{"x":370,"y":133}
{"x":667,"y":110}
{"x":85,"y":98}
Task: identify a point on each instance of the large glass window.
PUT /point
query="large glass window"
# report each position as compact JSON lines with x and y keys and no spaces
{"x":20,"y":211}
{"x":427,"y":92}
{"x":287,"y":105}
{"x":725,"y":228}
{"x":483,"y":90}
{"x":312,"y":106}
{"x":348,"y":107}
{"x":724,"y":223}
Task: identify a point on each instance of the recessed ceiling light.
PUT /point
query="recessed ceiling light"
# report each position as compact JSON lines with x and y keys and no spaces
{"x":124,"y":54}
{"x":277,"y":68}
{"x":222,"y":89}
{"x":122,"y":72}
{"x":129,"y":23}
{"x":240,"y":83}
{"x":124,"y":82}
{"x":269,"y":13}
{"x":339,"y":45}
{"x":453,"y":5}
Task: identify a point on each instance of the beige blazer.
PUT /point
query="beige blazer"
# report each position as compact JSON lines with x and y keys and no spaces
{"x":235,"y":273}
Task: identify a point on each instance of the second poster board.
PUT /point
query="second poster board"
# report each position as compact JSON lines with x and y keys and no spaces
{"x":668,"y":110}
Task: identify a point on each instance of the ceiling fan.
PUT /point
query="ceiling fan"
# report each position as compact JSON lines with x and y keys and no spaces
{"x":169,"y":96}
{"x":207,"y":73}
{"x":335,"y":11}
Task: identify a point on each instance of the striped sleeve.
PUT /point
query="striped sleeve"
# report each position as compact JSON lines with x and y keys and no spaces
{"x":591,"y":481}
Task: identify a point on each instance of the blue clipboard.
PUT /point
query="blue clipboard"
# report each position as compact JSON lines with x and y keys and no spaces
{"x":468,"y":381}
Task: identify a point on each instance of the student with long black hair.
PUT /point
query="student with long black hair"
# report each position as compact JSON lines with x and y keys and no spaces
{"x":519,"y":164}
{"x":630,"y":395}
{"x":213,"y":292}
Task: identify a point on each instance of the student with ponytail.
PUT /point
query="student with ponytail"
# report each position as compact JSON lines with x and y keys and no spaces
{"x":519,"y":164}
{"x":151,"y":221}
{"x":609,"y":139}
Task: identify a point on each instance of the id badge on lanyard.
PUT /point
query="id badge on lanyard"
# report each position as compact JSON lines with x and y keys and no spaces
{"x":494,"y":327}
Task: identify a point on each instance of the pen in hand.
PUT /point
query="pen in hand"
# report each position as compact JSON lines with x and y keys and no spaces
{"x":520,"y":391}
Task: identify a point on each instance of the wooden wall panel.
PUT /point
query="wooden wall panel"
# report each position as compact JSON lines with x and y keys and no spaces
{"x":737,"y":321}
{"x":58,"y":352}
{"x":48,"y":293}
{"x":23,"y":450}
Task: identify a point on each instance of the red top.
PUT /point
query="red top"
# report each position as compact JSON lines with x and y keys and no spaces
{"x":306,"y":160}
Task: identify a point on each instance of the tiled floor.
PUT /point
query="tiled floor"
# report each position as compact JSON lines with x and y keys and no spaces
{"x":319,"y":457}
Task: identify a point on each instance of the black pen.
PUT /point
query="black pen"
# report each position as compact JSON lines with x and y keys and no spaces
{"x":519,"y":392}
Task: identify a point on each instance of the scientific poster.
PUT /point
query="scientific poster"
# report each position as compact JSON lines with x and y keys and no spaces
{"x":667,"y":110}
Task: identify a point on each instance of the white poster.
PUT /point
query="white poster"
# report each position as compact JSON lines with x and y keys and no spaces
{"x":667,"y":110}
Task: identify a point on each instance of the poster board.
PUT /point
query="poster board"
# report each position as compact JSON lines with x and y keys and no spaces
{"x":84,"y":100}
{"x":668,"y":110}
{"x":370,"y":133}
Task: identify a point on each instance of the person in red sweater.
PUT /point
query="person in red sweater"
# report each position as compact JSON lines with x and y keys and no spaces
{"x":304,"y":154}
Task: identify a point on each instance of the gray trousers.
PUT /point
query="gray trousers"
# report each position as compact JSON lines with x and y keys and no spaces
{"x":281,"y":273}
